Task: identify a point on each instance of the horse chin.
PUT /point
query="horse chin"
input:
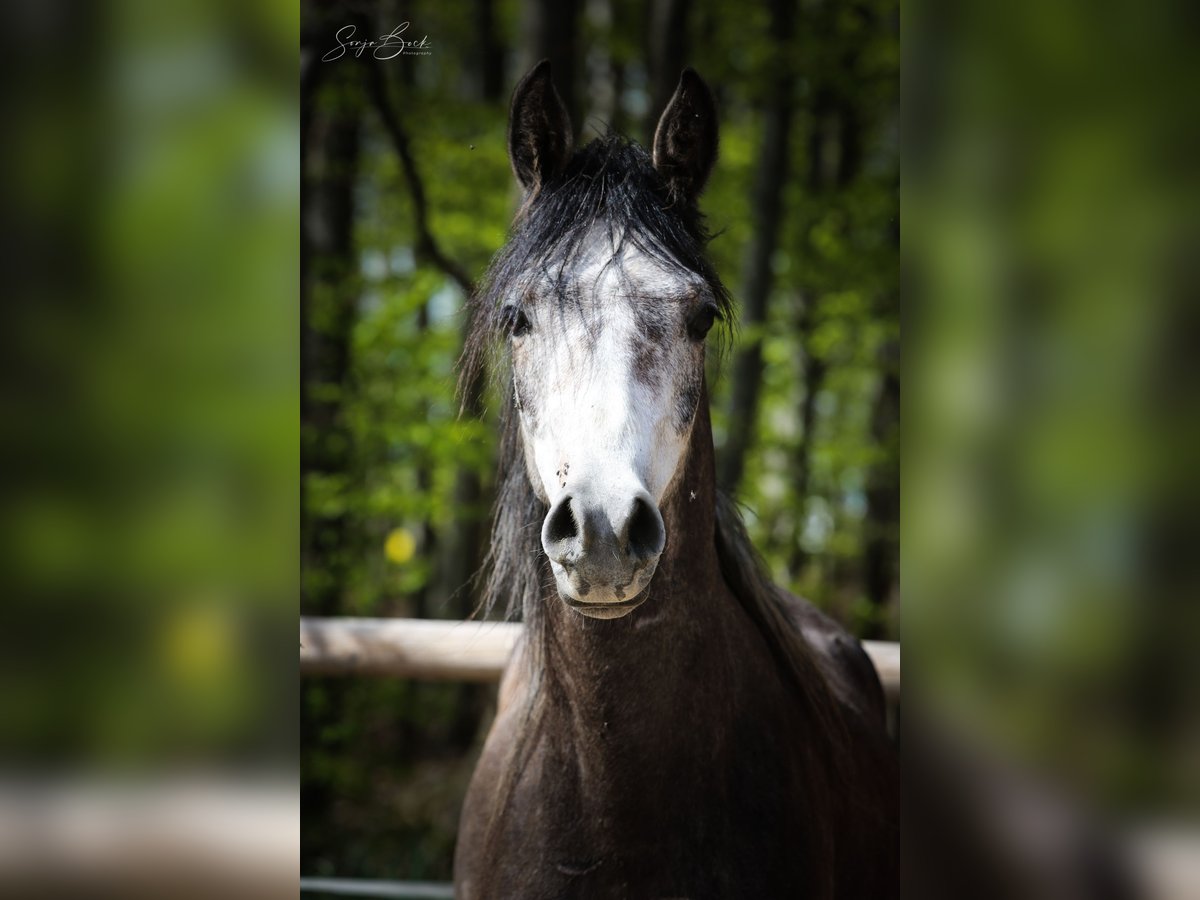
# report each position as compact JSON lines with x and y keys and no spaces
{"x":605,"y":610}
{"x":601,"y":603}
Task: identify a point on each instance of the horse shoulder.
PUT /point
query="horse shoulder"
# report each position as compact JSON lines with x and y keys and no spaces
{"x":851,"y":674}
{"x":483,"y":805}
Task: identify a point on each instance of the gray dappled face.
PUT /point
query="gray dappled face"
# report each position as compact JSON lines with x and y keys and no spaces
{"x":607,"y":383}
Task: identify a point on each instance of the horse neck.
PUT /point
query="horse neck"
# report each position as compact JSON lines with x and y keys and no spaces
{"x":599,"y":668}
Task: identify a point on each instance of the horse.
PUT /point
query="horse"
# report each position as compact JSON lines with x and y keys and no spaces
{"x":671,"y":724}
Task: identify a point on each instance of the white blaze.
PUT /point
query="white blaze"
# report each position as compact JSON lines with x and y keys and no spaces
{"x":596,"y":423}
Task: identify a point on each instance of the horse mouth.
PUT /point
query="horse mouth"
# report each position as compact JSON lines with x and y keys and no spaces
{"x":605,"y":610}
{"x":602,"y":598}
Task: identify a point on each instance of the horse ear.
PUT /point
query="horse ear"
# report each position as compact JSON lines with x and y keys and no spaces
{"x":685,"y":142}
{"x":539,"y":129}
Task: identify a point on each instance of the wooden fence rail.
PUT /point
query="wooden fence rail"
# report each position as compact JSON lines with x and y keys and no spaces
{"x":438,"y":650}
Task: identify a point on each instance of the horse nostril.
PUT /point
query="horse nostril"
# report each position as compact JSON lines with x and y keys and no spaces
{"x":576,"y":535}
{"x":646,"y":532}
{"x":561,"y":531}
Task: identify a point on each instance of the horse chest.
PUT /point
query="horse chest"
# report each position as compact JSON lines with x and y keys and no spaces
{"x":678,"y":810}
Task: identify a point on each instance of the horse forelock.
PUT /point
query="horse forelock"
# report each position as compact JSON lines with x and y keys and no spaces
{"x":608,"y":199}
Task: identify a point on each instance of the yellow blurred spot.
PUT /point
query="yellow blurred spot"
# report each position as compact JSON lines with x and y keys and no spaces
{"x":197,"y":643}
{"x":400,"y":546}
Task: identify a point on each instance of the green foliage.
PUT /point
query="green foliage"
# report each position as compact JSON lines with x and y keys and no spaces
{"x":384,"y":763}
{"x":836,"y":271}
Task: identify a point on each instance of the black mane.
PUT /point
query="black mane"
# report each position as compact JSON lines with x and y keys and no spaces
{"x":612,"y":182}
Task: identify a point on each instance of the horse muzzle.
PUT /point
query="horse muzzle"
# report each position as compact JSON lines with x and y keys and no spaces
{"x":603,"y":554}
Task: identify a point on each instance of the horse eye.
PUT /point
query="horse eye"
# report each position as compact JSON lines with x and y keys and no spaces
{"x":702,"y":321}
{"x":515,"y":322}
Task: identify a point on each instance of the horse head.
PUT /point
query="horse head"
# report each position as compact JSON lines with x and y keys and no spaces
{"x":605,"y":297}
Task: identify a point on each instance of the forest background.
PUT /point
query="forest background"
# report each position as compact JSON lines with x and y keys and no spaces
{"x":406,"y":194}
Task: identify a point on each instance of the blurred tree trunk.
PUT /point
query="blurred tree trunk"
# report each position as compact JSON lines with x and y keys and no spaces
{"x":603,"y":75}
{"x":328,"y":303}
{"x":882,"y":527}
{"x":311,"y":77}
{"x":401,"y":11}
{"x":427,"y":541}
{"x":330,"y":121}
{"x":814,"y":370}
{"x":550,"y":29}
{"x":490,"y":54}
{"x":666,"y":54}
{"x":770,"y":181}
{"x":881,"y":556}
